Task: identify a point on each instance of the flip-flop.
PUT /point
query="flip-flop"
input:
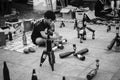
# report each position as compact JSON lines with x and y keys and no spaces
{"x":31,"y":49}
{"x":26,"y":50}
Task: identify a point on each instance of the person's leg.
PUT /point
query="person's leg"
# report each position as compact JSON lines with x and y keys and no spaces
{"x":2,"y":8}
{"x":40,"y":42}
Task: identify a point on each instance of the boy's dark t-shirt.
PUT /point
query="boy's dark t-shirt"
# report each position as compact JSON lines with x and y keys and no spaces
{"x":40,"y":26}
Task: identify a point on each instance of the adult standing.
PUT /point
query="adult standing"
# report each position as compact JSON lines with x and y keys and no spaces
{"x":8,"y":6}
{"x":2,"y":6}
{"x":76,"y":3}
{"x":99,"y":6}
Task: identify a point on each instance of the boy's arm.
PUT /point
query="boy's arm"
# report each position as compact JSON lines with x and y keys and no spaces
{"x":44,"y":35}
{"x":54,"y":37}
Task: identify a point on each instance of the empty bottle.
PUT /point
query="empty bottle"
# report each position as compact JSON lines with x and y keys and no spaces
{"x":10,"y":36}
{"x":43,"y":57}
{"x":34,"y":75}
{"x":90,"y":29}
{"x":82,"y":52}
{"x":6,"y":74}
{"x":97,"y":64}
{"x":24,"y":38}
{"x":62,"y":24}
{"x":51,"y":59}
{"x":108,"y":28}
{"x":75,"y":24}
{"x":93,"y":35}
{"x":63,"y":78}
{"x":66,"y":54}
{"x":91,"y":74}
{"x":111,"y":44}
{"x":80,"y":57}
{"x":84,"y":35}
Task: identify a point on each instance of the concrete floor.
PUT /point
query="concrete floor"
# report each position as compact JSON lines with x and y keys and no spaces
{"x":21,"y":65}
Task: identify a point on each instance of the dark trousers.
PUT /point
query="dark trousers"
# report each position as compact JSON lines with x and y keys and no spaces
{"x":5,"y":8}
{"x":2,"y":8}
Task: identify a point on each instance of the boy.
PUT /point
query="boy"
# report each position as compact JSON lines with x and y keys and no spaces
{"x":39,"y":35}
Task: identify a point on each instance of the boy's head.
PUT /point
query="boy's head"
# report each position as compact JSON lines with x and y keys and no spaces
{"x":49,"y":16}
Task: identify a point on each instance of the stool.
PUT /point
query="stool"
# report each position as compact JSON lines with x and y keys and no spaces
{"x":16,"y":25}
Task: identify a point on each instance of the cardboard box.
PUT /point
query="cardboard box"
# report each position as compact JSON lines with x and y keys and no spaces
{"x":68,"y":12}
{"x":79,"y":15}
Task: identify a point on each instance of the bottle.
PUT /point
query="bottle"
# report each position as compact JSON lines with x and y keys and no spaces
{"x":108,"y":28}
{"x":24,"y":38}
{"x":81,"y":57}
{"x":78,"y":33}
{"x":93,"y":31}
{"x":60,"y":45}
{"x":82,"y":52}
{"x":63,"y":24}
{"x":66,"y":54}
{"x":55,"y":47}
{"x":84,"y":35}
{"x":74,"y":47}
{"x":63,"y":78}
{"x":34,"y":76}
{"x":51,"y":59}
{"x":6,"y":75}
{"x":91,"y":74}
{"x":10,"y":36}
{"x":93,"y":35}
{"x":117,"y":31}
{"x":81,"y":38}
{"x":111,"y":44}
{"x":97,"y":64}
{"x":117,"y":35}
{"x":52,"y":26}
{"x":90,"y":29}
{"x":43,"y":57}
{"x":75,"y":24}
{"x":118,"y":42}
{"x":64,"y":41}
{"x":81,"y":35}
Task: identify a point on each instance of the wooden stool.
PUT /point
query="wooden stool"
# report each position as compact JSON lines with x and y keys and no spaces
{"x":18,"y":26}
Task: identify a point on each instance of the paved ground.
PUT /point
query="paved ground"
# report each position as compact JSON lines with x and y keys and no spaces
{"x":21,"y":65}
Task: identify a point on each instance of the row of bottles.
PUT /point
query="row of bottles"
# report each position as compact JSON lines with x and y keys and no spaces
{"x":89,"y":76}
{"x":81,"y":31}
{"x":79,"y":54}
